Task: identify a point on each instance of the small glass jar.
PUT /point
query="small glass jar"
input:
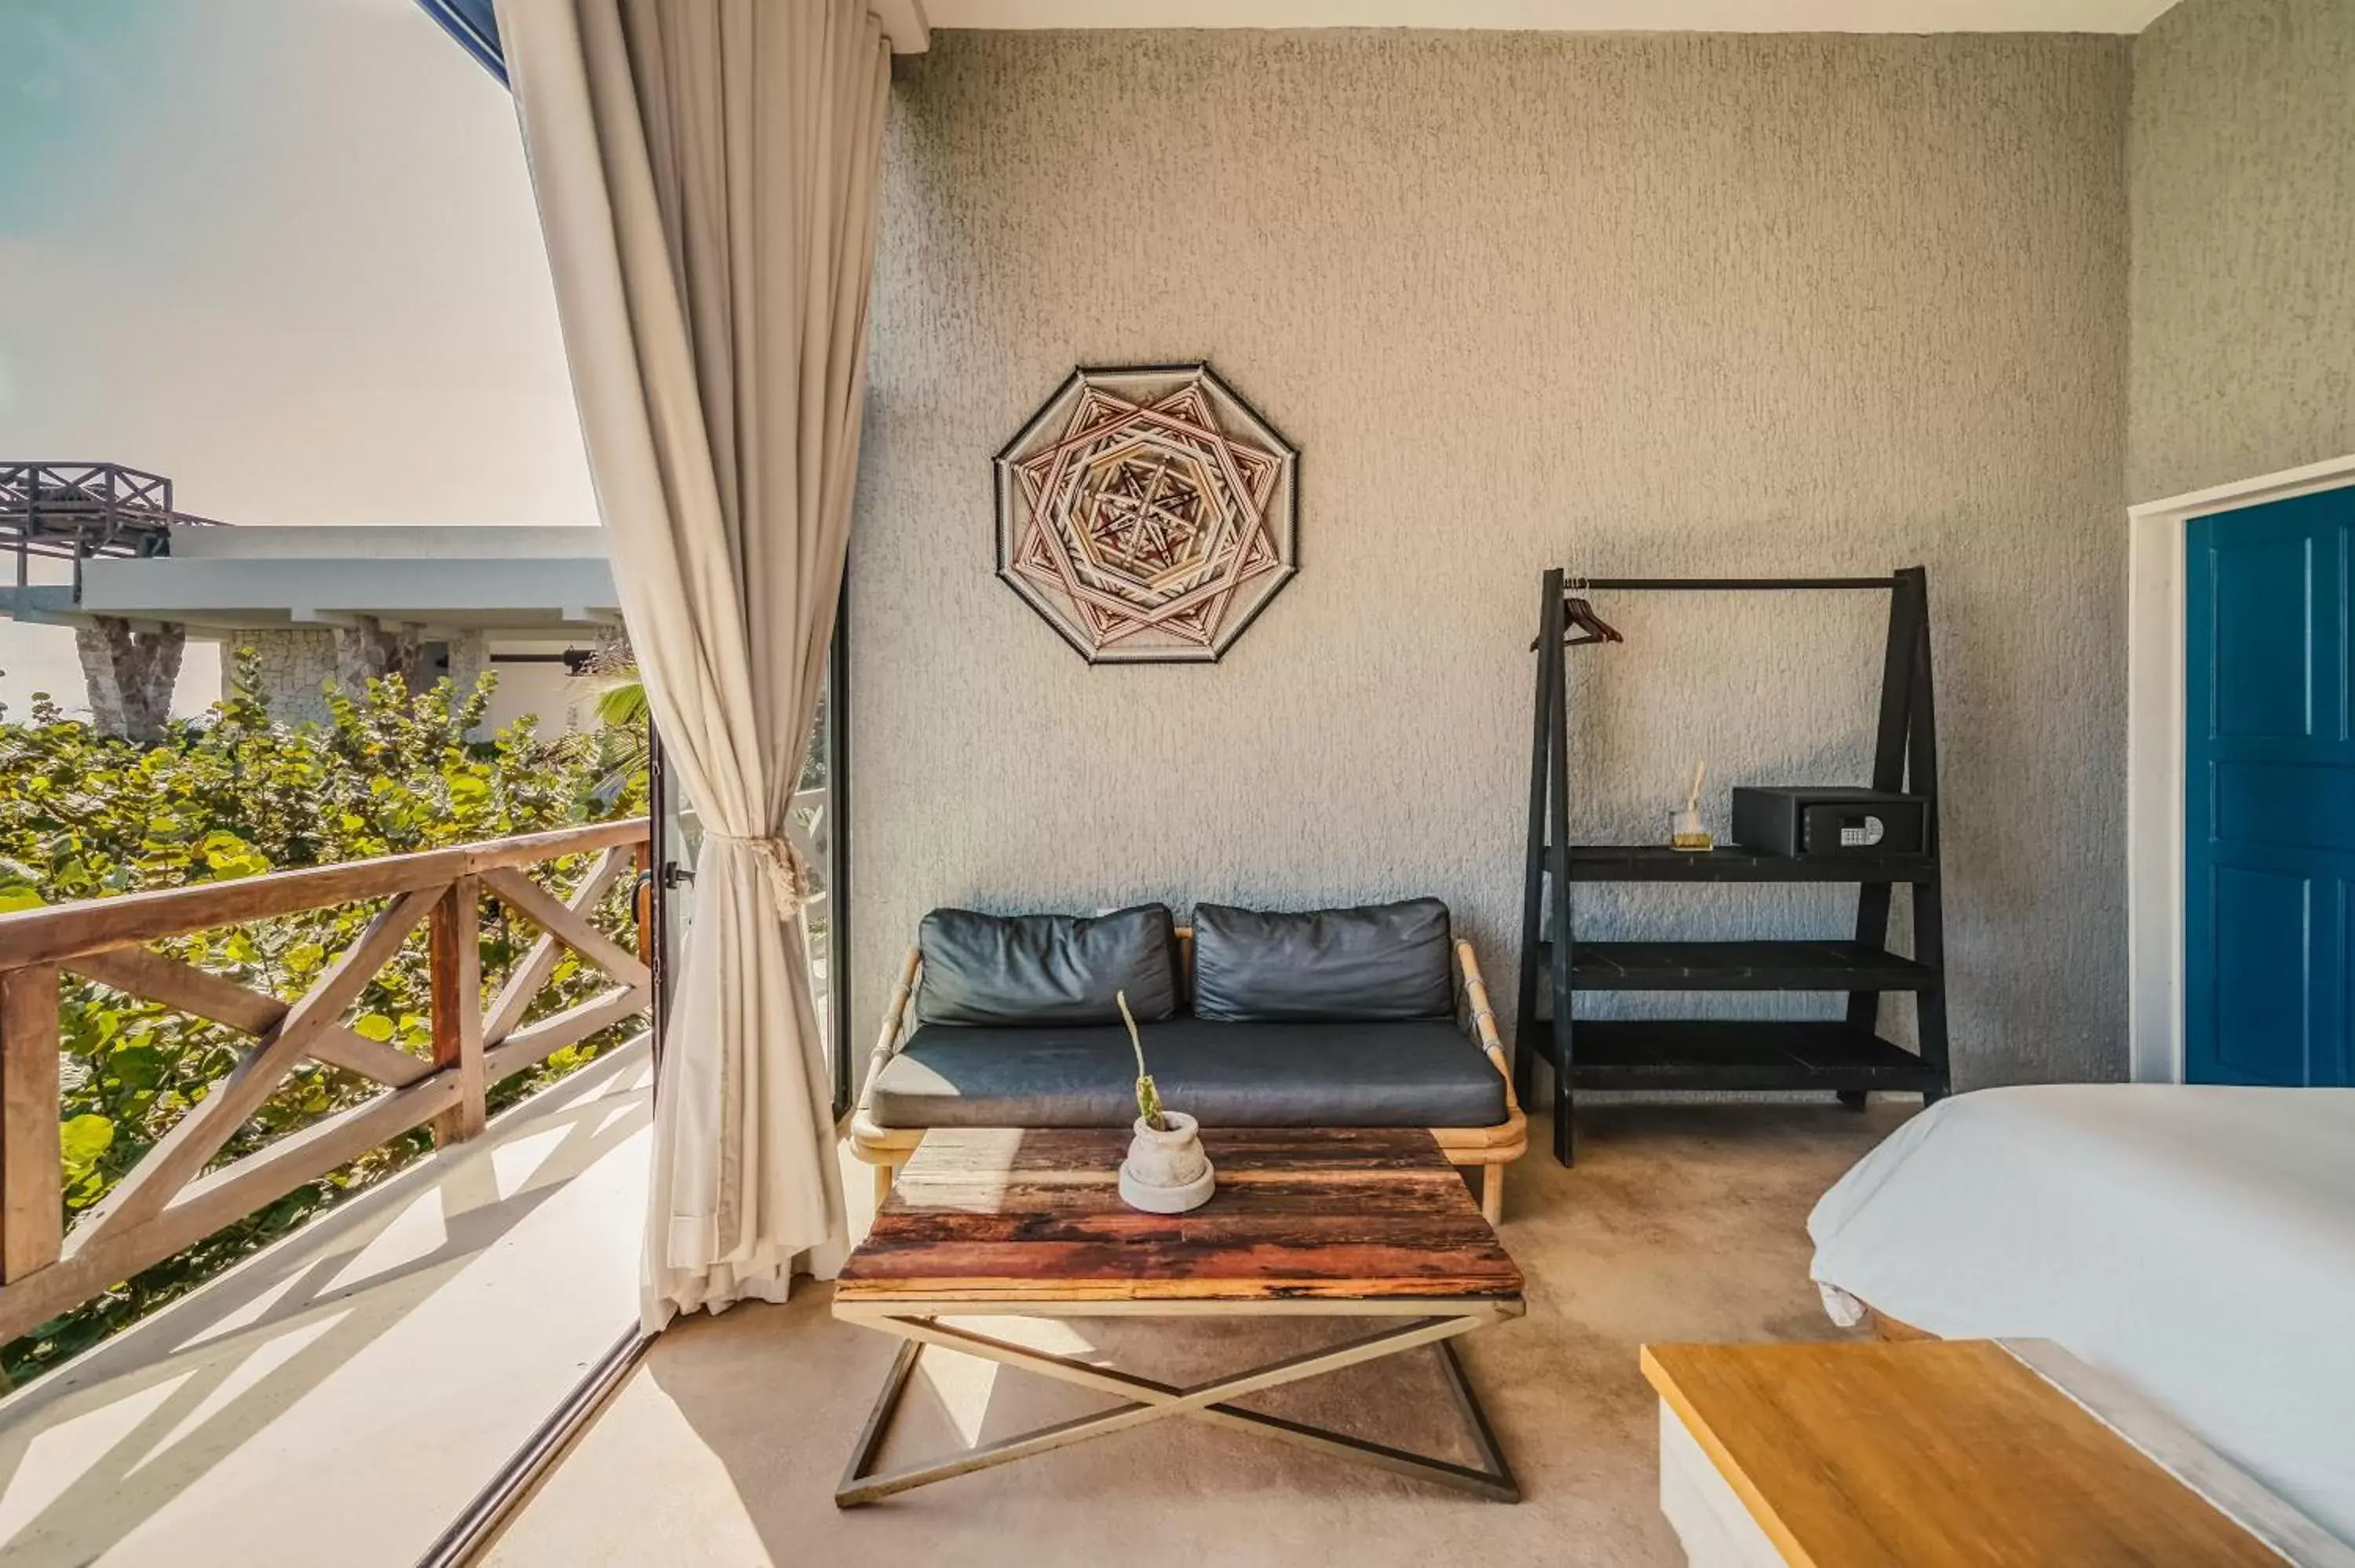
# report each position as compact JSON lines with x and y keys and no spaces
{"x":1685,"y":832}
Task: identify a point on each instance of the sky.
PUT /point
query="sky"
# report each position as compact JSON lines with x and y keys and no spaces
{"x":283,"y":251}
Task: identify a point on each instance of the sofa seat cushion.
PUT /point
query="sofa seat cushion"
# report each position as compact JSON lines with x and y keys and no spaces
{"x":1420,"y":1073}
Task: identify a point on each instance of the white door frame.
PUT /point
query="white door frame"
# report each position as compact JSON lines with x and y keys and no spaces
{"x":2155,"y":744}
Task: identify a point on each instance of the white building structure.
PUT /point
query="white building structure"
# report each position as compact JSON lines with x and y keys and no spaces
{"x":318,"y":604}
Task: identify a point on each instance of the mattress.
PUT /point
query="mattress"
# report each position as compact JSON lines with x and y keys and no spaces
{"x":2198,"y":1242}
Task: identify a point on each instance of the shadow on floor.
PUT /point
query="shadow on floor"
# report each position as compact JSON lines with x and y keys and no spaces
{"x":93,"y":1452}
{"x":1677,"y":1225}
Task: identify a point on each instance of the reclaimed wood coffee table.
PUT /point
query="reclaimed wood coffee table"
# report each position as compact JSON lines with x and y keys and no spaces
{"x":1346,"y":1223}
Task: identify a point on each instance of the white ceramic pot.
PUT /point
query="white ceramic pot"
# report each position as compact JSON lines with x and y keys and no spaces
{"x":1166,"y":1172}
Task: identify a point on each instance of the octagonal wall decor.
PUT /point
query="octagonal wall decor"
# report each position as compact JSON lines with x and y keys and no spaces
{"x":1148,"y":513}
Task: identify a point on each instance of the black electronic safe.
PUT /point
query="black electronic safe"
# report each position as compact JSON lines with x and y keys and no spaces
{"x":1807,"y":819}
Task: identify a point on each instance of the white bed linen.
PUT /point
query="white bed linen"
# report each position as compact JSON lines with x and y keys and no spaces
{"x":2198,"y":1241}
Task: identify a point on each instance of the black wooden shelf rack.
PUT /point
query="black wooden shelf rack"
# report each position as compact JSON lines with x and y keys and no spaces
{"x":1848,"y":1055}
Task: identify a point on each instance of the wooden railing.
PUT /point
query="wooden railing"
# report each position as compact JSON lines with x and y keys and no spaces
{"x":72,"y":510}
{"x":170,"y":1200}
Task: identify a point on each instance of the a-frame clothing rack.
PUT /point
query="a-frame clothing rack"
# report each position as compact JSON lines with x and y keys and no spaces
{"x":1847,"y":1055}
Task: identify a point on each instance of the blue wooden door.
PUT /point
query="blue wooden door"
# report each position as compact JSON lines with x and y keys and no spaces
{"x":2269,"y":794}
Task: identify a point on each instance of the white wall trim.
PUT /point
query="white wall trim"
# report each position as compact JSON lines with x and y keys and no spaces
{"x":904,"y":24}
{"x":2155,"y":740}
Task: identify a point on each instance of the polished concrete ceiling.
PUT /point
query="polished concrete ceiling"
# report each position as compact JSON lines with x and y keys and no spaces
{"x":1569,"y":15}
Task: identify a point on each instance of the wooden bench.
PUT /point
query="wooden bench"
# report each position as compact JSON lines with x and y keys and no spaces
{"x":1945,"y":1453}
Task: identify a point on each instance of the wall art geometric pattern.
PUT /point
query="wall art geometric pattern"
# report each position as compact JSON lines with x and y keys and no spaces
{"x":1148,"y":513}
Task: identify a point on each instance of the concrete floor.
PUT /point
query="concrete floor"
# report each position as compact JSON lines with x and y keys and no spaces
{"x":1677,"y":1225}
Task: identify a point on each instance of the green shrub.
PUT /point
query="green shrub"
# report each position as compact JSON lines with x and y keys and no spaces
{"x":235,"y":794}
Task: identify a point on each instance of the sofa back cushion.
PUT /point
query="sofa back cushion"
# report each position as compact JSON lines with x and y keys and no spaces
{"x":1046,"y":969}
{"x":1382,"y":962}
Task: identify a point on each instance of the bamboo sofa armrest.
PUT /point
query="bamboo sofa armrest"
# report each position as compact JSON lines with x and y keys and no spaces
{"x":894,"y":1029}
{"x":1484,"y":1022}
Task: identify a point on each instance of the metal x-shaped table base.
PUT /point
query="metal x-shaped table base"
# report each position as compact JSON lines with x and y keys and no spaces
{"x":1154,"y":1401}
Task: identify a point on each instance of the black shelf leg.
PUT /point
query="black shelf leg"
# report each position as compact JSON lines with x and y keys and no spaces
{"x":1549,"y":632}
{"x":1929,"y":912}
{"x":1888,"y":776}
{"x":1557,"y":869}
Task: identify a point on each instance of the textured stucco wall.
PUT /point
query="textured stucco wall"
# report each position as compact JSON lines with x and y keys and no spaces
{"x":2241,"y":167}
{"x":1666,"y":304}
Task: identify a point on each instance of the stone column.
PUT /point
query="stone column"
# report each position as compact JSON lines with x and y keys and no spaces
{"x":612,"y":652}
{"x":367,"y":649}
{"x":130,"y":675}
{"x":470,"y":657}
{"x":291,"y":664}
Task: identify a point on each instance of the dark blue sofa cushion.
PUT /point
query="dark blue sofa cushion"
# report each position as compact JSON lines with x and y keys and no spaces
{"x":1381,"y":961}
{"x":1418,"y":1072}
{"x":982,"y":970}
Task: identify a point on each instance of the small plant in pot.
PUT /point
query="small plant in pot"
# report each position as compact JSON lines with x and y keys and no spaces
{"x":1166,"y":1172}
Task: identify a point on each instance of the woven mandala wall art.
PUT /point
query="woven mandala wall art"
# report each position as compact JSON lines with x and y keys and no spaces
{"x":1148,"y":513}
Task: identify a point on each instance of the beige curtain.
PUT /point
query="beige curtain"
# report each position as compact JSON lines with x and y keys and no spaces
{"x":706,"y":173}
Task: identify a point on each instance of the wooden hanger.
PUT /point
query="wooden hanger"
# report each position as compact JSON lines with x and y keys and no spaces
{"x":1583,"y":624}
{"x":1582,"y":619}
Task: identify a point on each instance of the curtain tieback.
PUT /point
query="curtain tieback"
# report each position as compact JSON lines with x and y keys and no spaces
{"x":788,"y":869}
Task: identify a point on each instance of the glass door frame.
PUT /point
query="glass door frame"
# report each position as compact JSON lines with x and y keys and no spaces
{"x":667,"y":875}
{"x":468,"y":1534}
